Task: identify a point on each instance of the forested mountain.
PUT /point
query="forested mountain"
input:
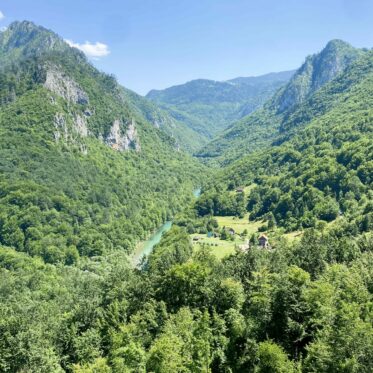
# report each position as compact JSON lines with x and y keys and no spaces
{"x":208,"y":106}
{"x":82,"y":173}
{"x":259,"y":129}
{"x":321,"y":165}
{"x":23,"y":39}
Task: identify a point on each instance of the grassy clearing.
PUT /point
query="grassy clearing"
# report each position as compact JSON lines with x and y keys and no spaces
{"x":293,"y":236}
{"x":297,"y":235}
{"x":239,"y":225}
{"x":222,"y":248}
{"x":246,"y":189}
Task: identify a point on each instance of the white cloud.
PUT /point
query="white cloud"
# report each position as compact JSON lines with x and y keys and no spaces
{"x":4,"y":28}
{"x":94,"y":50}
{"x":1,"y":15}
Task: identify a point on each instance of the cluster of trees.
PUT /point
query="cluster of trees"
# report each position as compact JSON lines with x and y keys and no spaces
{"x":221,"y":203}
{"x":302,"y":307}
{"x":321,"y":185}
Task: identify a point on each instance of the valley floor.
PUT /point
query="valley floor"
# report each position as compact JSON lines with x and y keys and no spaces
{"x":243,"y":228}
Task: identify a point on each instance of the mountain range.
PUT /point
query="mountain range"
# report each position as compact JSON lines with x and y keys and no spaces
{"x":262,"y":127}
{"x":209,"y":106}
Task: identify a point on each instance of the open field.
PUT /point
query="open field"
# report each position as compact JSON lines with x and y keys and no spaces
{"x":246,"y":189}
{"x":239,"y":225}
{"x":293,"y":236}
{"x":222,"y":248}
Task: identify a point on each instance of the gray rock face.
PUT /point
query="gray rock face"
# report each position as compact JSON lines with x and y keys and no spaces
{"x":71,"y":129}
{"x":80,"y":125}
{"x":122,"y":141}
{"x":62,"y":85}
{"x":60,"y":127}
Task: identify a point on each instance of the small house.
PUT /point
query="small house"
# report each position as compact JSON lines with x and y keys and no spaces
{"x":263,"y":241}
{"x":239,"y":190}
{"x":231,"y":231}
{"x":196,"y":239}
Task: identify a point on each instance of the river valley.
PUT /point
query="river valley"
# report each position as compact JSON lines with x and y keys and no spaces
{"x":144,"y":248}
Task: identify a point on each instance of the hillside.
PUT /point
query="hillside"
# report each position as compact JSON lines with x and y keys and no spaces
{"x":186,"y":138}
{"x":208,"y":106}
{"x":82,"y":172}
{"x":321,"y":165}
{"x":259,"y":129}
{"x":22,"y":40}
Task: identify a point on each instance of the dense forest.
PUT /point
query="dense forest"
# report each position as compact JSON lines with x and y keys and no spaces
{"x":90,"y":169}
{"x":64,"y":192}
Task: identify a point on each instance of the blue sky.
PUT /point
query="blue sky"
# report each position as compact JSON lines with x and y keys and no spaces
{"x":158,"y":43}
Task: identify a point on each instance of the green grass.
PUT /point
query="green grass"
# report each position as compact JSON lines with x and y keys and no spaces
{"x":246,"y":189}
{"x":293,"y":236}
{"x":221,"y":248}
{"x":239,"y":225}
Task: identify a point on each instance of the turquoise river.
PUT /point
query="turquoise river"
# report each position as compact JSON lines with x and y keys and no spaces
{"x":144,"y":248}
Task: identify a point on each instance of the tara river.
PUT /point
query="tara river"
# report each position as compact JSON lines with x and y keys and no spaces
{"x":144,"y":248}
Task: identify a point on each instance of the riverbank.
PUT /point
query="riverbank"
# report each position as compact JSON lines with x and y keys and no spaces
{"x":144,"y":248}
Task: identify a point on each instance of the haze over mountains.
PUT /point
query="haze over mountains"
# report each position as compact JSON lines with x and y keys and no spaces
{"x":266,"y":181}
{"x":208,"y":106}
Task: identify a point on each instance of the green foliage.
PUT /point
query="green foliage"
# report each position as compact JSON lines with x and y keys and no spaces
{"x":194,"y":314}
{"x":71,"y":302}
{"x":319,"y":171}
{"x":273,"y":359}
{"x":175,"y":248}
{"x":71,"y":197}
{"x":185,"y":136}
{"x":221,"y":204}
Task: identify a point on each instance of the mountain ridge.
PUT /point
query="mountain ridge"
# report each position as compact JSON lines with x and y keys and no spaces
{"x":209,"y":106}
{"x":22,"y":39}
{"x":25,"y":39}
{"x":260,"y":128}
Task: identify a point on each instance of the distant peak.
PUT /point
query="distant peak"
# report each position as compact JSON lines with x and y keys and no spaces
{"x":24,"y":25}
{"x":28,"y":27}
{"x":32,"y":40}
{"x":317,"y":70}
{"x":337,"y":43}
